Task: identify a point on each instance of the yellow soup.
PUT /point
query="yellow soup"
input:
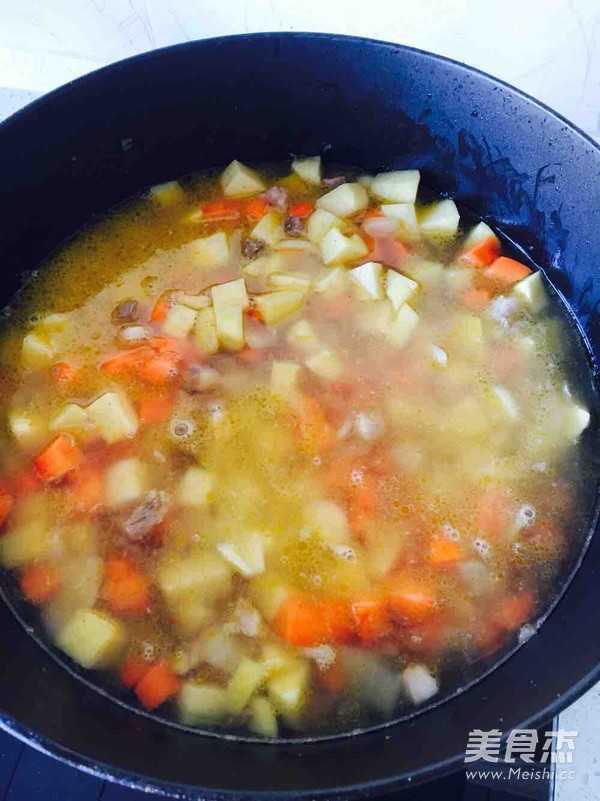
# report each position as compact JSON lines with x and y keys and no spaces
{"x":281,"y":449}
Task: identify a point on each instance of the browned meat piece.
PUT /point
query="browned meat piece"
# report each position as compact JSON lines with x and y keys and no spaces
{"x":146,"y":516}
{"x":252,"y":248}
{"x":277,"y":196}
{"x":331,"y":183}
{"x":127,"y":311}
{"x":293,"y":226}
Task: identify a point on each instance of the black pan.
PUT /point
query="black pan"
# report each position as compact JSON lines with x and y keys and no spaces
{"x":507,"y":158}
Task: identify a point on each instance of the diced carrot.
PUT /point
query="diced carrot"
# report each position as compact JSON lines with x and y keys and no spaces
{"x":314,"y":434}
{"x":483,"y":253}
{"x":155,"y":408}
{"x":371,"y":615}
{"x":505,"y":271}
{"x":256,"y":208}
{"x":60,"y":457}
{"x":221,"y":209}
{"x":409,"y":602}
{"x":494,"y":513}
{"x":300,"y":621}
{"x":158,"y":685}
{"x":63,"y":373}
{"x":374,"y":212}
{"x":476,"y":300}
{"x":125,"y":588}
{"x":513,"y":611}
{"x":333,"y":679}
{"x":160,"y":308}
{"x":127,"y":363}
{"x":87,"y":488}
{"x":6,"y":504}
{"x":39,"y":583}
{"x":254,"y":312}
{"x":370,"y":243}
{"x":302,"y":209}
{"x":133,"y":670}
{"x":251,"y":355}
{"x":339,"y":620}
{"x":444,"y":552}
{"x":161,"y":369}
{"x":389,"y":251}
{"x":26,"y":482}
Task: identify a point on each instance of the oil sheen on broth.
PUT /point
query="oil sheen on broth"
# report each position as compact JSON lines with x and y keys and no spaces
{"x":287,"y":454}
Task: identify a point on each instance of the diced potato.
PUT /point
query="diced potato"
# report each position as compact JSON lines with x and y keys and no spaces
{"x":289,"y":281}
{"x":330,"y":521}
{"x":231,"y":293}
{"x":478,"y":234}
{"x":403,"y":325}
{"x":205,"y":332}
{"x":284,"y":377}
{"x":531,"y":290}
{"x":125,"y":482}
{"x":26,"y":428}
{"x":399,"y":288}
{"x":230,"y":327}
{"x":179,"y":321}
{"x":309,"y":169}
{"x":277,"y":306}
{"x":92,"y":639}
{"x":190,"y":615}
{"x":37,"y":351}
{"x":205,"y":576}
{"x":113,"y":416}
{"x":440,"y":219}
{"x":506,"y":402}
{"x":247,"y":556}
{"x":368,"y":278}
{"x":221,"y":650}
{"x":458,"y":278}
{"x":426,"y":273}
{"x":302,"y":335}
{"x":238,"y":180}
{"x":195,"y":487}
{"x":202,"y":703}
{"x":376,"y":317}
{"x":419,"y":684}
{"x":263,"y":720}
{"x":576,"y":420}
{"x":365,"y":180}
{"x":269,"y":228}
{"x":337,"y":248}
{"x":468,"y":333}
{"x":268,"y":593}
{"x":334,"y":282}
{"x":243,"y":684}
{"x":345,"y":200}
{"x":70,"y":418}
{"x":167,"y":194}
{"x":54,"y":323}
{"x":196,"y":302}
{"x":82,"y":575}
{"x":266,"y":265}
{"x":289,"y":690}
{"x":210,"y":251}
{"x":320,"y":223}
{"x":326,"y":364}
{"x":404,"y":213}
{"x":467,"y":418}
{"x":398,"y":186}
{"x":275,"y":659}
{"x":26,"y":542}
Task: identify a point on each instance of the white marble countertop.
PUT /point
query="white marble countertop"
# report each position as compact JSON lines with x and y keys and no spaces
{"x":548,"y":48}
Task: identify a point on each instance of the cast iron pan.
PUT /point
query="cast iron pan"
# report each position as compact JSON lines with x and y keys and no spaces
{"x":504,"y":156}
